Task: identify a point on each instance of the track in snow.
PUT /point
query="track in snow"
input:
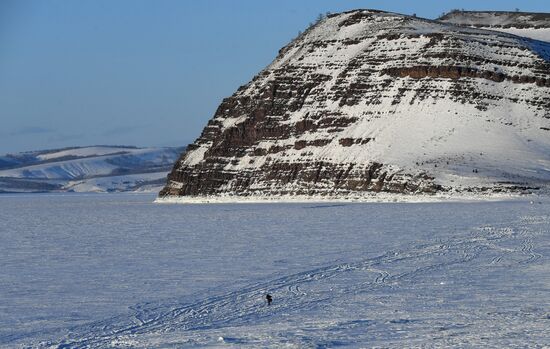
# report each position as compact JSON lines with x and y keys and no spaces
{"x":484,"y":248}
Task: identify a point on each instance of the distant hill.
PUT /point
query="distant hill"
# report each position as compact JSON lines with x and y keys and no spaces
{"x":530,"y":25}
{"x":87,"y":169}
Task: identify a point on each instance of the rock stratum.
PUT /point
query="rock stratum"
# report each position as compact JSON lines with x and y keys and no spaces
{"x":368,"y":101}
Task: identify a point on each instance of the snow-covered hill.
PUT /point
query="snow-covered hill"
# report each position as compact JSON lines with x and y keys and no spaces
{"x":530,"y":25}
{"x":368,"y":101}
{"x":87,"y":169}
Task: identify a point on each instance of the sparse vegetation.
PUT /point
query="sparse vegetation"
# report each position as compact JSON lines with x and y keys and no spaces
{"x":318,"y":19}
{"x":452,"y":11}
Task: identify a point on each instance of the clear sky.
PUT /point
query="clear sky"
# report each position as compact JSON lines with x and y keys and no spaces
{"x":149,"y":73}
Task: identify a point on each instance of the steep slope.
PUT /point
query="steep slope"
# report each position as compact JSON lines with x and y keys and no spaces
{"x":372,"y":101}
{"x":530,"y":25}
{"x":97,"y":168}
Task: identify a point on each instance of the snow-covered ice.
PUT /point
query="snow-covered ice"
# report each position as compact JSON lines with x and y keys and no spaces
{"x":116,"y":270}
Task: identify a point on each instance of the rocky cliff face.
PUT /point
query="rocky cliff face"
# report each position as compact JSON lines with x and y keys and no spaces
{"x":369,"y":101}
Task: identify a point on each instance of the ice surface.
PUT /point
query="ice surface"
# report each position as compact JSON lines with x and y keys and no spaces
{"x":115,"y":270}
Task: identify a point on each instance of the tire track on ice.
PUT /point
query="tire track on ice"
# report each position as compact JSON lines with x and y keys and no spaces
{"x":246,"y":305}
{"x":527,"y":249}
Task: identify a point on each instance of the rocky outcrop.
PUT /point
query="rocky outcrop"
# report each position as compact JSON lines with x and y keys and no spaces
{"x":369,"y":101}
{"x":454,"y":72}
{"x":300,"y":178}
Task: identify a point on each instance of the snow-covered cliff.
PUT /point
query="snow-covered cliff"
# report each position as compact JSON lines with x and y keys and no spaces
{"x":369,"y":101}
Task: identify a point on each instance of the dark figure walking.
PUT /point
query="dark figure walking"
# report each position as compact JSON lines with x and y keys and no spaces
{"x":269,"y":299}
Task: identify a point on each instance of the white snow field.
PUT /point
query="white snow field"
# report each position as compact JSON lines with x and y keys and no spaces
{"x":117,"y":271}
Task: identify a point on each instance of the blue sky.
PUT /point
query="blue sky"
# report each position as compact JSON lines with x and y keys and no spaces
{"x":148,"y":73}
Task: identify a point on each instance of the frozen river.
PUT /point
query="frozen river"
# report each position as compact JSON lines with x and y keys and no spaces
{"x":116,"y":270}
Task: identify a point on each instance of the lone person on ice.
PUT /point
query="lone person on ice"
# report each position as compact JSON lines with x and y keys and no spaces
{"x":269,"y":299}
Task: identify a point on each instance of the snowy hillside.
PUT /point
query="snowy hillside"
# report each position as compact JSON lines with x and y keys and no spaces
{"x":369,"y":101}
{"x":87,"y":169}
